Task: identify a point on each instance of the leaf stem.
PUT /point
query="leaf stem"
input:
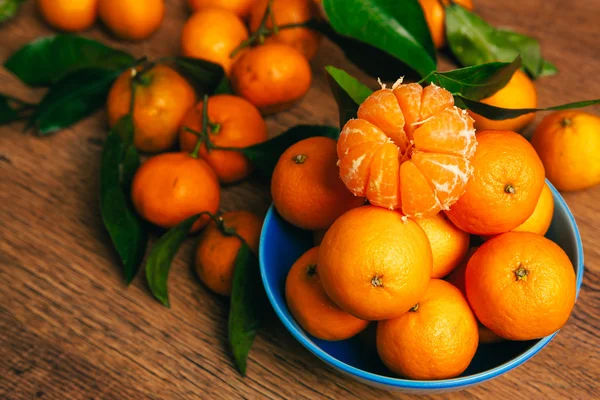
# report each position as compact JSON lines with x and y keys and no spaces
{"x":204,"y":133}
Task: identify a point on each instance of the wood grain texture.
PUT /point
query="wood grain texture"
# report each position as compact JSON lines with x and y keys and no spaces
{"x":69,"y":328}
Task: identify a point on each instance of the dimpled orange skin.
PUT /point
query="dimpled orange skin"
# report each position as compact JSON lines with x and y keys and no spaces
{"x":216,"y":252}
{"x":69,"y":15}
{"x":305,"y":40}
{"x":132,"y":19}
{"x":435,"y":341}
{"x":161,"y":102}
{"x":170,"y":187}
{"x":521,"y":285}
{"x":519,"y":92}
{"x":273,"y":77}
{"x":457,"y":278}
{"x":239,"y":7}
{"x":212,"y":34}
{"x":506,"y":184}
{"x":449,"y":245}
{"x":240,"y":125}
{"x":311,"y":307}
{"x":375,"y":263}
{"x":435,"y":15}
{"x":306,"y":188}
{"x":568,"y":143}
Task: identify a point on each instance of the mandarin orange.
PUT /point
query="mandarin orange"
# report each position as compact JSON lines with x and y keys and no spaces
{"x":240,"y":7}
{"x":69,"y":15}
{"x":132,"y":19}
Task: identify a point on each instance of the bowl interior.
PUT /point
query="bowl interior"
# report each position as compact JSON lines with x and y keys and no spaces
{"x":281,"y":244}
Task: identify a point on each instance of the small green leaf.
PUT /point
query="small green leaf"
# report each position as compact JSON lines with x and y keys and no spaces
{"x":477,"y":82}
{"x":161,"y":256}
{"x":12,"y":109}
{"x":8,"y":9}
{"x":71,"y":99}
{"x":246,"y":306}
{"x":48,"y":60}
{"x":205,"y":74}
{"x":548,"y":69}
{"x":126,"y":229}
{"x":265,"y":155}
{"x":497,"y":113}
{"x":398,"y":29}
{"x":473,"y":41}
{"x":347,"y":91}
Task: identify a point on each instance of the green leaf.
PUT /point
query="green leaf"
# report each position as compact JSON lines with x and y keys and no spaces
{"x":398,"y":29}
{"x":347,"y":91}
{"x":548,"y":69}
{"x":126,"y":229}
{"x":265,"y":155}
{"x":73,"y":98}
{"x":161,"y":256}
{"x":477,"y":82}
{"x":246,"y":305}
{"x":12,"y":109}
{"x":497,"y":113}
{"x":8,"y":9}
{"x":205,"y":74}
{"x":48,"y":60}
{"x":473,"y":41}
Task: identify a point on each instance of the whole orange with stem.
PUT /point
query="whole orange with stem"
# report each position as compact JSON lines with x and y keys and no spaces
{"x":449,"y":245}
{"x":505,"y":187}
{"x":161,"y":100}
{"x":218,"y":247}
{"x":212,"y":34}
{"x":457,"y":278}
{"x":306,"y":189}
{"x":239,"y":7}
{"x":288,"y":12}
{"x":568,"y":143}
{"x":171,"y":187}
{"x":521,"y":285}
{"x":409,"y":149}
{"x":273,"y":76}
{"x":435,"y":16}
{"x":132,"y":19}
{"x":233,"y":123}
{"x":69,"y":15}
{"x":436,"y":339}
{"x":519,"y":92}
{"x":310,"y":306}
{"x":375,"y":263}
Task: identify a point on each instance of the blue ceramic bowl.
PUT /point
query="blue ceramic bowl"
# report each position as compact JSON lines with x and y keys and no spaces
{"x":281,"y":244}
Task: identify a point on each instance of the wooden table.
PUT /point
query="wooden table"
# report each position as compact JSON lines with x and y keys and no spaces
{"x":69,"y":328}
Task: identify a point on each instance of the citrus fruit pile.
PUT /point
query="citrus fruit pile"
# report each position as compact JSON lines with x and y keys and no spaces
{"x":400,"y":196}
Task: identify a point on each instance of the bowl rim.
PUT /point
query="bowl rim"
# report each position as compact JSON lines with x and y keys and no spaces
{"x":416,"y":384}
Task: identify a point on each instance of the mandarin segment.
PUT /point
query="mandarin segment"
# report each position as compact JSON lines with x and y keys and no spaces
{"x":431,"y":136}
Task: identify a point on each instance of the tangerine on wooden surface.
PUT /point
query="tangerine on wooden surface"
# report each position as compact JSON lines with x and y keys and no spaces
{"x":235,"y":123}
{"x":449,"y":245}
{"x":519,"y":92}
{"x":272,"y":76}
{"x":170,"y":187}
{"x":306,"y":189}
{"x":212,"y":34}
{"x":457,"y":278}
{"x":521,"y":285}
{"x":132,"y":19}
{"x":435,"y":15}
{"x":239,"y":7}
{"x":216,"y":251}
{"x":436,"y":339}
{"x":311,"y":307}
{"x":505,"y":187}
{"x":69,"y":15}
{"x":375,"y":263}
{"x":162,"y":98}
{"x":409,"y":149}
{"x":305,"y":40}
{"x":568,"y":143}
